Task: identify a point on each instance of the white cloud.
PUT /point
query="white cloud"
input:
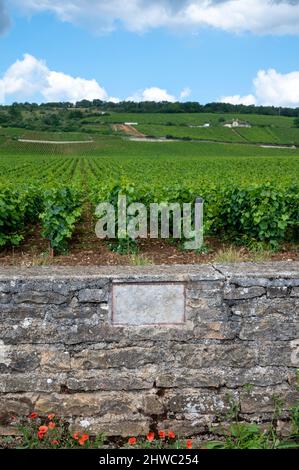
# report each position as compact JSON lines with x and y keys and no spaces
{"x":237,"y":99}
{"x":271,"y":89}
{"x":64,"y":87}
{"x":256,"y":16}
{"x":30,"y":77}
{"x":185,"y":93}
{"x":152,"y":94}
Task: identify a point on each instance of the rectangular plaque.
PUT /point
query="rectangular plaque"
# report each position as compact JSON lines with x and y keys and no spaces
{"x":148,"y":303}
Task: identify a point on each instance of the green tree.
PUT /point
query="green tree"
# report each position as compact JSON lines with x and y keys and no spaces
{"x":296,"y":122}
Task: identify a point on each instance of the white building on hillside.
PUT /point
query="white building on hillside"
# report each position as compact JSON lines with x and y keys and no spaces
{"x":236,"y":123}
{"x":207,"y":124}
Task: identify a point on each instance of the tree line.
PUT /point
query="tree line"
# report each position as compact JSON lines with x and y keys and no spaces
{"x":161,"y":107}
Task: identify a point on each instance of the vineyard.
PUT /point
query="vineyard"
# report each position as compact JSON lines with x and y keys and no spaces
{"x":250,"y":192}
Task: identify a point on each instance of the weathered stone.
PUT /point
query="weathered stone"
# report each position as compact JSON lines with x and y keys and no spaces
{"x":131,"y":358}
{"x":264,"y":281}
{"x":4,"y":298}
{"x":117,"y":427}
{"x":106,"y":404}
{"x":92,"y":295}
{"x":204,"y":310}
{"x":238,"y":272}
{"x":263,"y":399}
{"x":110,"y":379}
{"x":281,"y":291}
{"x":13,"y":406}
{"x":20,"y":361}
{"x":204,"y":289}
{"x":39,"y":297}
{"x":10,"y":431}
{"x":237,"y":293}
{"x":80,"y":311}
{"x":152,"y":405}
{"x":197,"y":356}
{"x":295,"y":352}
{"x":273,"y":328}
{"x":31,"y":382}
{"x":55,"y":360}
{"x":295,"y":292}
{"x":6,"y":287}
{"x":187,"y":428}
{"x":197,"y":378}
{"x":217,"y":330}
{"x":261,"y":376}
{"x":284,"y":428}
{"x":266,"y":306}
{"x":200,"y":402}
{"x":12,"y":314}
{"x":277,"y":353}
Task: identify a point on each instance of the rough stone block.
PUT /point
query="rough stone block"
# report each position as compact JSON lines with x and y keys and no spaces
{"x":92,"y":295}
{"x":278,"y":353}
{"x":14,"y":406}
{"x":4,"y":298}
{"x":241,"y":293}
{"x":262,"y":399}
{"x":91,"y":404}
{"x":295,"y":292}
{"x":39,"y":297}
{"x":52,"y":359}
{"x":131,"y":358}
{"x":217,"y":330}
{"x":199,"y":402}
{"x":31,"y":382}
{"x":197,"y":356}
{"x":266,"y":306}
{"x":274,"y":328}
{"x":110,"y":379}
{"x":118,"y":427}
{"x":273,"y":292}
{"x":197,"y":378}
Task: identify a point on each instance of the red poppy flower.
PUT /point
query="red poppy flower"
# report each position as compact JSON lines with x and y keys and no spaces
{"x":162,"y":434}
{"x":51,"y":425}
{"x":171,"y":435}
{"x":132,"y":441}
{"x":43,"y":429}
{"x":33,"y":415}
{"x":55,"y":442}
{"x":40,"y":435}
{"x":51,"y":416}
{"x":76,"y":436}
{"x":151,"y":436}
{"x":83,"y":438}
{"x":189,"y":444}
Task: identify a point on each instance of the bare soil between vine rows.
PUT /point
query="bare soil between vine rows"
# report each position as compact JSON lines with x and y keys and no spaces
{"x":85,"y":249}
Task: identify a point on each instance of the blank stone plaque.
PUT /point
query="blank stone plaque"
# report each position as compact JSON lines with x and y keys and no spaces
{"x":148,"y":304}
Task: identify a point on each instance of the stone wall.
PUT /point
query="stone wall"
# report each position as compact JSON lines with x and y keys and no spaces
{"x":61,"y":352}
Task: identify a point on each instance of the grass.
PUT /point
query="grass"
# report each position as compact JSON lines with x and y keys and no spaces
{"x":233,"y":254}
{"x":139,"y":260}
{"x":230,"y":255}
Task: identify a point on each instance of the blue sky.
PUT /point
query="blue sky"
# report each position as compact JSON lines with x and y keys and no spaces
{"x":206,"y":61}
